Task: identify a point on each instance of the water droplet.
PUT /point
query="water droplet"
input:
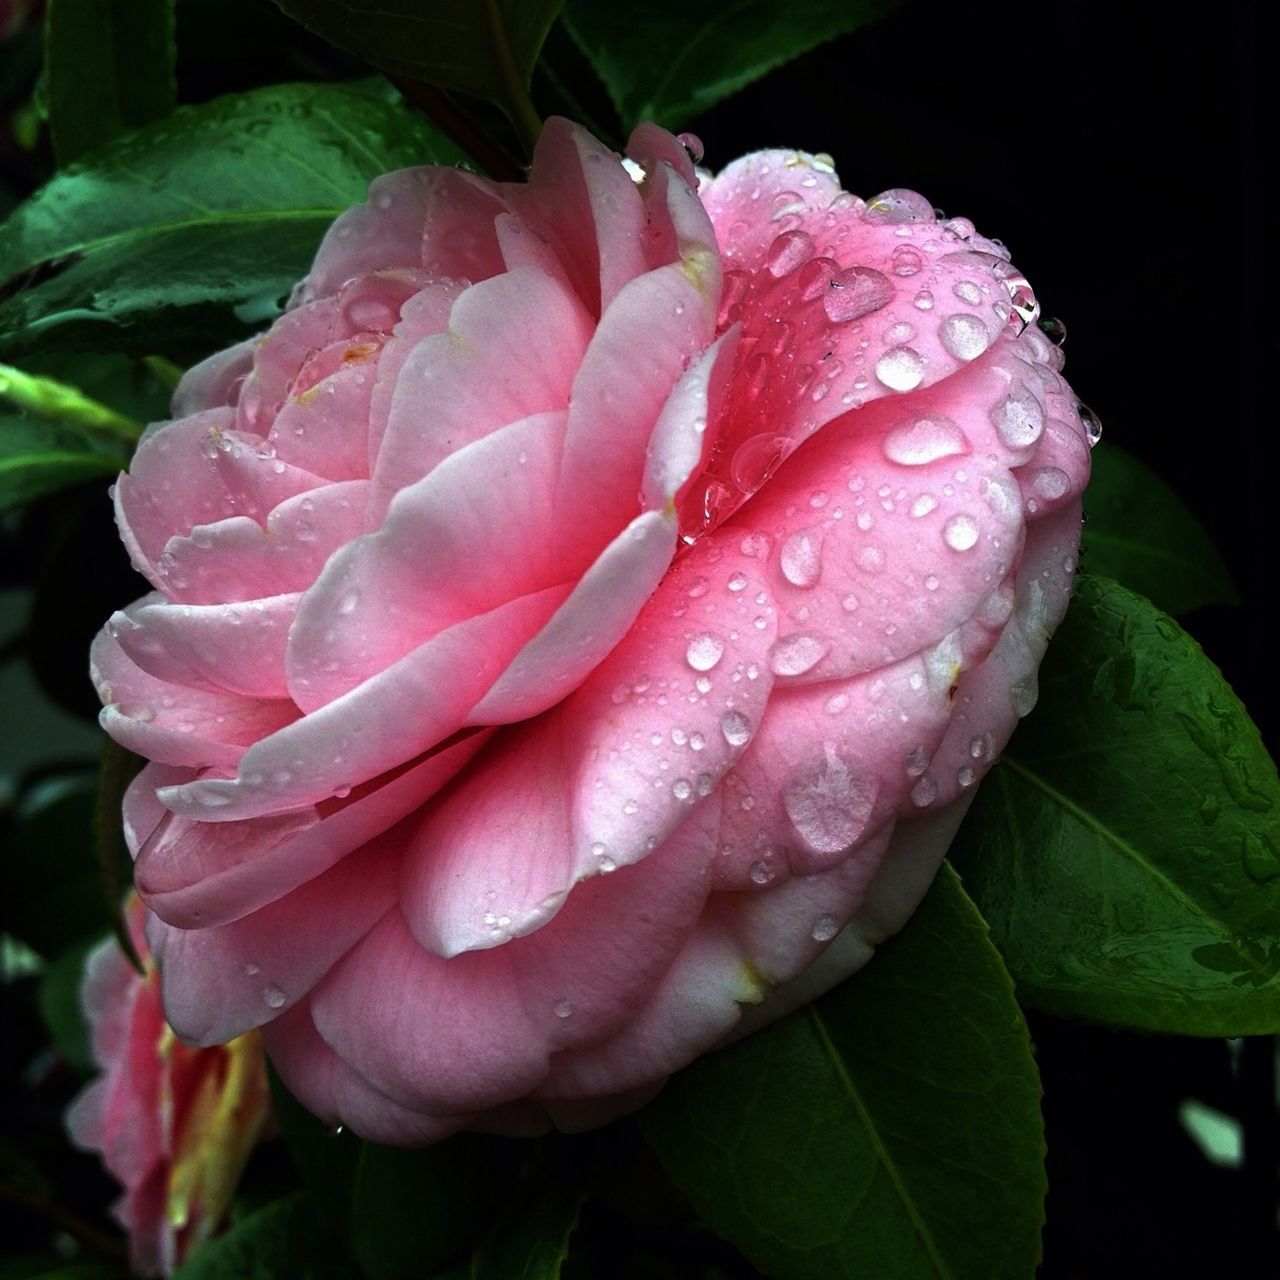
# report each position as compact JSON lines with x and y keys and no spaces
{"x":898,"y":204}
{"x":698,"y":587}
{"x":1054,"y":330}
{"x":1018,"y":418}
{"x":923,"y":440}
{"x":790,"y":250}
{"x":761,"y":872}
{"x":825,"y":928}
{"x":682,"y":788}
{"x":1023,"y":694}
{"x":830,"y":804}
{"x":960,"y":532}
{"x":967,"y":292}
{"x":900,"y":368}
{"x":964,"y":336}
{"x":905,"y":260}
{"x":756,"y":459}
{"x":925,"y":792}
{"x":800,"y":558}
{"x":917,"y":762}
{"x":693,"y":145}
{"x":273,"y":997}
{"x":1050,"y":482}
{"x":1092,"y":423}
{"x":856,"y":292}
{"x":704,"y":651}
{"x":737,"y":582}
{"x":965,"y":775}
{"x":795,"y":654}
{"x":815,"y":278}
{"x":348,"y":602}
{"x":736,"y":728}
{"x":837,"y":703}
{"x":562,"y":1008}
{"x":925,"y":503}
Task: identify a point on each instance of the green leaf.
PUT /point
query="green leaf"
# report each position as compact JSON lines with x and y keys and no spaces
{"x":42,"y":457}
{"x":51,"y":893}
{"x":282,"y":1239}
{"x":486,"y":48}
{"x":193,"y":231}
{"x":1124,"y":849}
{"x":531,"y":1241}
{"x":890,"y":1129}
{"x":1143,"y":535}
{"x":680,"y":57}
{"x":108,"y":68}
{"x":60,"y":1007}
{"x":411,"y":1211}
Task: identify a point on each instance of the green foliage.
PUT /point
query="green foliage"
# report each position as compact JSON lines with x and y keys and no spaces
{"x":485,"y":48}
{"x":51,"y":893}
{"x":668,"y":60}
{"x":60,"y":1007}
{"x":282,"y":1239}
{"x":192,"y":232}
{"x":1125,"y":848}
{"x":892,"y":1128}
{"x":1143,"y":535}
{"x":531,"y":1240}
{"x":108,"y":68}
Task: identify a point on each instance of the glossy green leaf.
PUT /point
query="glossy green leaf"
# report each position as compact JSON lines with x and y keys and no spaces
{"x":531,"y":1240}
{"x":486,"y":48}
{"x":108,"y":68}
{"x":892,"y":1128}
{"x":51,"y":893}
{"x":1140,"y":533}
{"x":42,"y":457}
{"x":1125,"y":848}
{"x":60,"y":1007}
{"x":411,"y":1211}
{"x":675,"y":58}
{"x":282,"y":1239}
{"x":193,"y":231}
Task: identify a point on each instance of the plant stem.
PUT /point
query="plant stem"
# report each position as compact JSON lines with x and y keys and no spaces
{"x":57,"y":402}
{"x":519,"y":106}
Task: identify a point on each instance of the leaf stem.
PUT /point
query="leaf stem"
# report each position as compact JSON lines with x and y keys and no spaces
{"x":519,"y":106}
{"x":453,"y":121}
{"x":58,"y":402}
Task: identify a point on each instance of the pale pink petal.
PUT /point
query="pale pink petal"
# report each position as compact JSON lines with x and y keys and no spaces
{"x":331,"y":1090}
{"x":219,"y":982}
{"x":397,"y":715}
{"x":215,"y":381}
{"x":511,"y":350}
{"x":201,"y":874}
{"x":472,"y":535}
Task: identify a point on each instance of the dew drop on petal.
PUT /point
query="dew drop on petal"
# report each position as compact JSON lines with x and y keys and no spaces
{"x":923,"y":440}
{"x":562,"y":1008}
{"x":825,"y":928}
{"x":273,"y":997}
{"x":1050,"y":482}
{"x":795,"y":654}
{"x":790,"y":250}
{"x":856,"y":292}
{"x":704,"y":651}
{"x":829,"y":804}
{"x":1018,"y":418}
{"x":736,"y":728}
{"x":925,"y":792}
{"x":1092,"y":423}
{"x":964,"y":336}
{"x":900,"y":369}
{"x":960,"y":532}
{"x":898,"y":204}
{"x":800,"y":557}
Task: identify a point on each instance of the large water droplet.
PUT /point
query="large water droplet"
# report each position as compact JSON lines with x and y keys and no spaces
{"x":960,"y":532}
{"x":923,"y":440}
{"x":800,"y":557}
{"x":756,"y":459}
{"x":900,"y":369}
{"x":693,"y":145}
{"x":1092,"y":423}
{"x":856,"y":292}
{"x":829,"y":804}
{"x":788,"y":251}
{"x":704,"y":651}
{"x":898,"y":204}
{"x":795,"y":654}
{"x":815,"y":277}
{"x":825,"y":928}
{"x":1018,"y":418}
{"x":736,"y":728}
{"x":964,"y":336}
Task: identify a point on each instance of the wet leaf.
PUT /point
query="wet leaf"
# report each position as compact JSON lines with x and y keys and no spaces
{"x":1126,"y":849}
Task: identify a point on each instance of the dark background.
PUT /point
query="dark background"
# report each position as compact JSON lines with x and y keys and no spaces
{"x":1120,"y":150}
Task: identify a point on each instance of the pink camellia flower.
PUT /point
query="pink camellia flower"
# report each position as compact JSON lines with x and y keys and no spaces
{"x":174,"y":1124}
{"x":580,"y":623}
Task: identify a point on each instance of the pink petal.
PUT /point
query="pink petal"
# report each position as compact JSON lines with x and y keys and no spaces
{"x":511,"y":351}
{"x":219,"y":982}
